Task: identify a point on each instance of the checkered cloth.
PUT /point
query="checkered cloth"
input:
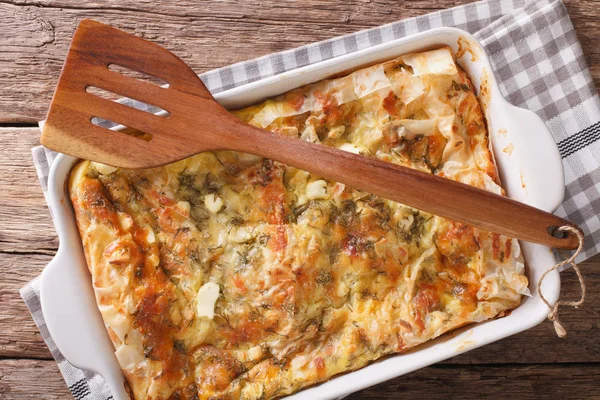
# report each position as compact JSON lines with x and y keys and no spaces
{"x":538,"y":62}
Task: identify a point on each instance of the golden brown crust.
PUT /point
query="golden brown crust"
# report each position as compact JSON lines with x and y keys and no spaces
{"x":232,"y":276}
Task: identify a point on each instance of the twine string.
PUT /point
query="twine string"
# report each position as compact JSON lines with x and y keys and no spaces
{"x":553,"y":314}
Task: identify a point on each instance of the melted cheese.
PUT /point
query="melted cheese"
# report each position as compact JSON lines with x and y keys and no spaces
{"x":213,"y":203}
{"x":207,"y":297}
{"x":316,"y":190}
{"x":228,"y":276}
{"x":103,"y":168}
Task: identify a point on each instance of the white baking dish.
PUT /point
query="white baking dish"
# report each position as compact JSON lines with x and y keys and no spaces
{"x":531,"y":173}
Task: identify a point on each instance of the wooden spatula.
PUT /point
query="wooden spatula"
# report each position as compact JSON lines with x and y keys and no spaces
{"x":198,"y":123}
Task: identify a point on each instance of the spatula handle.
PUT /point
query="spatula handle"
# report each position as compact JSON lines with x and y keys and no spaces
{"x":427,"y":192}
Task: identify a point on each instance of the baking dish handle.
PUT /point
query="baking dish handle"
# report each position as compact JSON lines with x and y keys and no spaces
{"x":76,"y":333}
{"x":541,"y":168}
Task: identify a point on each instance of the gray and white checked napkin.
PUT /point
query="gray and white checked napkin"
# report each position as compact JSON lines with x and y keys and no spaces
{"x":538,"y":62}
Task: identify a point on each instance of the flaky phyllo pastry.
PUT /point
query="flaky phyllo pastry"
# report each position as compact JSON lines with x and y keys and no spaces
{"x":230,"y":276}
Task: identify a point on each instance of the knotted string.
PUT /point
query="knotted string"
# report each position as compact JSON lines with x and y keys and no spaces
{"x":553,"y":315}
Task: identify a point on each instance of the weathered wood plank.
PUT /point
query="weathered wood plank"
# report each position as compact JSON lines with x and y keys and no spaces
{"x":27,"y":241}
{"x":206,"y":35}
{"x":41,"y":379}
{"x":557,"y":381}
{"x":31,"y":379}
{"x":34,"y":38}
{"x":25,"y":223}
{"x":19,"y":336}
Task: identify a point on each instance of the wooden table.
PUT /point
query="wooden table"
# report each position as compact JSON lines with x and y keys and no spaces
{"x":34,"y":36}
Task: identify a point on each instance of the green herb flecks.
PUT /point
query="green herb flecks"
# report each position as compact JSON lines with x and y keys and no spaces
{"x":460,"y":86}
{"x":324,"y":277}
{"x":179,"y":346}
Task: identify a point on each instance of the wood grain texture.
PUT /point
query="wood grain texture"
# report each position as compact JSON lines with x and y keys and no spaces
{"x":557,"y":381}
{"x":31,"y":379}
{"x":40,"y":379}
{"x":34,"y":36}
{"x":206,"y":35}
{"x":27,"y":241}
{"x":25,"y":223}
{"x":19,"y":336}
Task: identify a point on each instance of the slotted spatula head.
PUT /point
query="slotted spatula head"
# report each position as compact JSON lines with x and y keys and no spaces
{"x":69,"y":128}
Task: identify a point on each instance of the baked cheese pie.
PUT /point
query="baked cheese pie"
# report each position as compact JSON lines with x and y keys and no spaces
{"x":229,"y":276}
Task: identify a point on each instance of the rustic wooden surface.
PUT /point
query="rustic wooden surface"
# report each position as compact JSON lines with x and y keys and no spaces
{"x":34,"y":36}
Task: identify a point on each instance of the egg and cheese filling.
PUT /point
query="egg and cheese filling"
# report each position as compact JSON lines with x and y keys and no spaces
{"x":230,"y":276}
